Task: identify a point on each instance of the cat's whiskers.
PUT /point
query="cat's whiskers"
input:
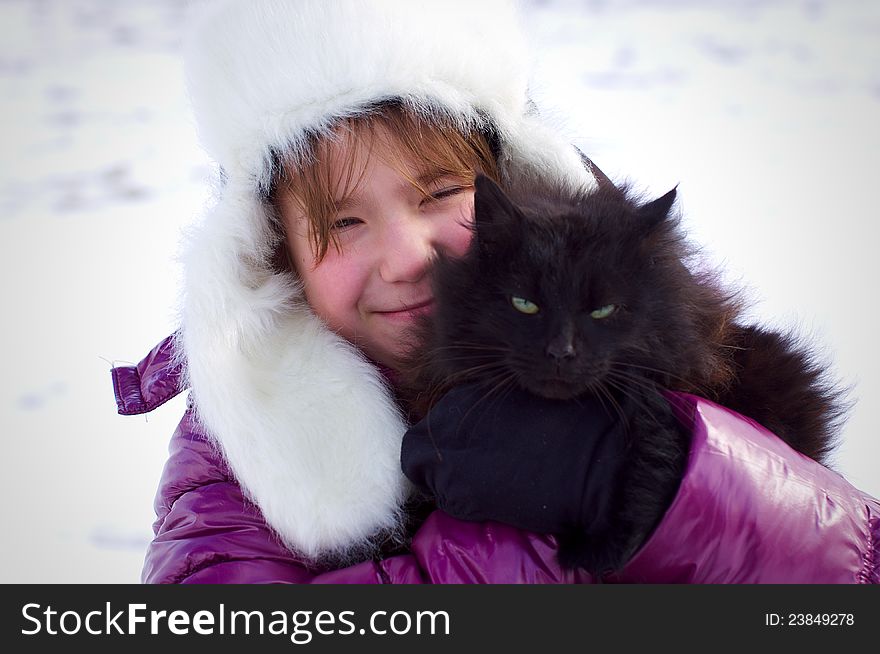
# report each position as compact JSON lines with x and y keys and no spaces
{"x":434,"y":356}
{"x":498,"y":383}
{"x":468,"y":374}
{"x":600,"y":391}
{"x":453,"y":359}
{"x":620,"y":367}
{"x":623,"y":371}
{"x":627,"y":391}
{"x":467,"y":344}
{"x":629,"y":379}
{"x":496,"y":350}
{"x":438,"y":391}
{"x":480,"y":350}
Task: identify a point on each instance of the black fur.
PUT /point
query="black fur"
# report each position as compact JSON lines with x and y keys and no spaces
{"x":670,"y":328}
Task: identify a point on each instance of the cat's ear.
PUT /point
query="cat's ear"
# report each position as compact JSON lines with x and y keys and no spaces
{"x":493,"y":210}
{"x":656,"y":211}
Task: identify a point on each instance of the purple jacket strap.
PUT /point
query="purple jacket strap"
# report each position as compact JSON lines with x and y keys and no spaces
{"x":149,"y":384}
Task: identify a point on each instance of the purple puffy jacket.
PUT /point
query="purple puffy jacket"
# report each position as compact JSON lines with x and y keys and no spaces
{"x":749,"y":510}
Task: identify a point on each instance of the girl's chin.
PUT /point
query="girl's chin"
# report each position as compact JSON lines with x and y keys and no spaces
{"x":391,"y":347}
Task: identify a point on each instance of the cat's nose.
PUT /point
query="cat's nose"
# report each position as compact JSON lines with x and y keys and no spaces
{"x":561,"y":349}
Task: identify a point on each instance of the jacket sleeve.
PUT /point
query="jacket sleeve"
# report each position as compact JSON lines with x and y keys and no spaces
{"x":752,"y":510}
{"x":749,"y":510}
{"x":206,"y":531}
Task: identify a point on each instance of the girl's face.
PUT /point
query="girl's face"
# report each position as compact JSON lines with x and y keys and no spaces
{"x":371,"y":289}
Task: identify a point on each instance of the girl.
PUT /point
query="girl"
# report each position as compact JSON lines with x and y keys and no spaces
{"x":348,"y":135}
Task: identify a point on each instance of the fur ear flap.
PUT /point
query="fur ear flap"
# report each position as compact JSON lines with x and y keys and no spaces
{"x":657,"y":211}
{"x":493,"y":211}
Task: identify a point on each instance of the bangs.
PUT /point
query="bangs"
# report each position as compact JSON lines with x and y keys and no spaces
{"x":328,"y":175}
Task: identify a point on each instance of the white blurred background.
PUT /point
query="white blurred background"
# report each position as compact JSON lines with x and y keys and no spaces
{"x":766,"y":113}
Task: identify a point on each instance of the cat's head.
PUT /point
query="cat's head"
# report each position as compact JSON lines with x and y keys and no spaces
{"x":564,"y":293}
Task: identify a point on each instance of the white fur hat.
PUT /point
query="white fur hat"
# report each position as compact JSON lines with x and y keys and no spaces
{"x":306,"y":424}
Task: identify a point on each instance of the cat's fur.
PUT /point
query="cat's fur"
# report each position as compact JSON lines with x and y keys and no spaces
{"x":671,"y":328}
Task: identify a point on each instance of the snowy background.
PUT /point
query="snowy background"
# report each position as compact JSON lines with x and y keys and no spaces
{"x":766,"y":113}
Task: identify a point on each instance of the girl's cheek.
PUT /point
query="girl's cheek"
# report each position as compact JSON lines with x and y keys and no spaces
{"x":460,"y":241}
{"x":458,"y":231}
{"x":333,"y":289}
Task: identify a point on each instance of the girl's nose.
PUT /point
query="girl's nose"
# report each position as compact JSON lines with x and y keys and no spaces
{"x":407,"y":251}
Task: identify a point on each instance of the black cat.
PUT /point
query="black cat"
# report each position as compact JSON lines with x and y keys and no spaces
{"x":591,"y":293}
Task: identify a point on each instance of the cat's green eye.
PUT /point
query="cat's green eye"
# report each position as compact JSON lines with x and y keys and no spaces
{"x":603,"y":312}
{"x":524,"y":306}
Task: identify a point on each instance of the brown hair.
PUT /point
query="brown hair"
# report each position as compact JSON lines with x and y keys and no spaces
{"x":435,"y":143}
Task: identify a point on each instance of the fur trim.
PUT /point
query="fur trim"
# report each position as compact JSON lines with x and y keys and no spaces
{"x":305,"y":423}
{"x":296,"y":67}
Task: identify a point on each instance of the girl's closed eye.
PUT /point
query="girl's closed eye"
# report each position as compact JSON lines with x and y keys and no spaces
{"x":344,"y":224}
{"x":446,"y":192}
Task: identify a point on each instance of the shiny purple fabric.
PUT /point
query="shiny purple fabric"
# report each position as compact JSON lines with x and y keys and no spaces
{"x":749,"y":510}
{"x":149,"y":384}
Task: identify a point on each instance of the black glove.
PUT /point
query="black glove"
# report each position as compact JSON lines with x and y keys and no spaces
{"x":546,"y":466}
{"x":598,"y":478}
